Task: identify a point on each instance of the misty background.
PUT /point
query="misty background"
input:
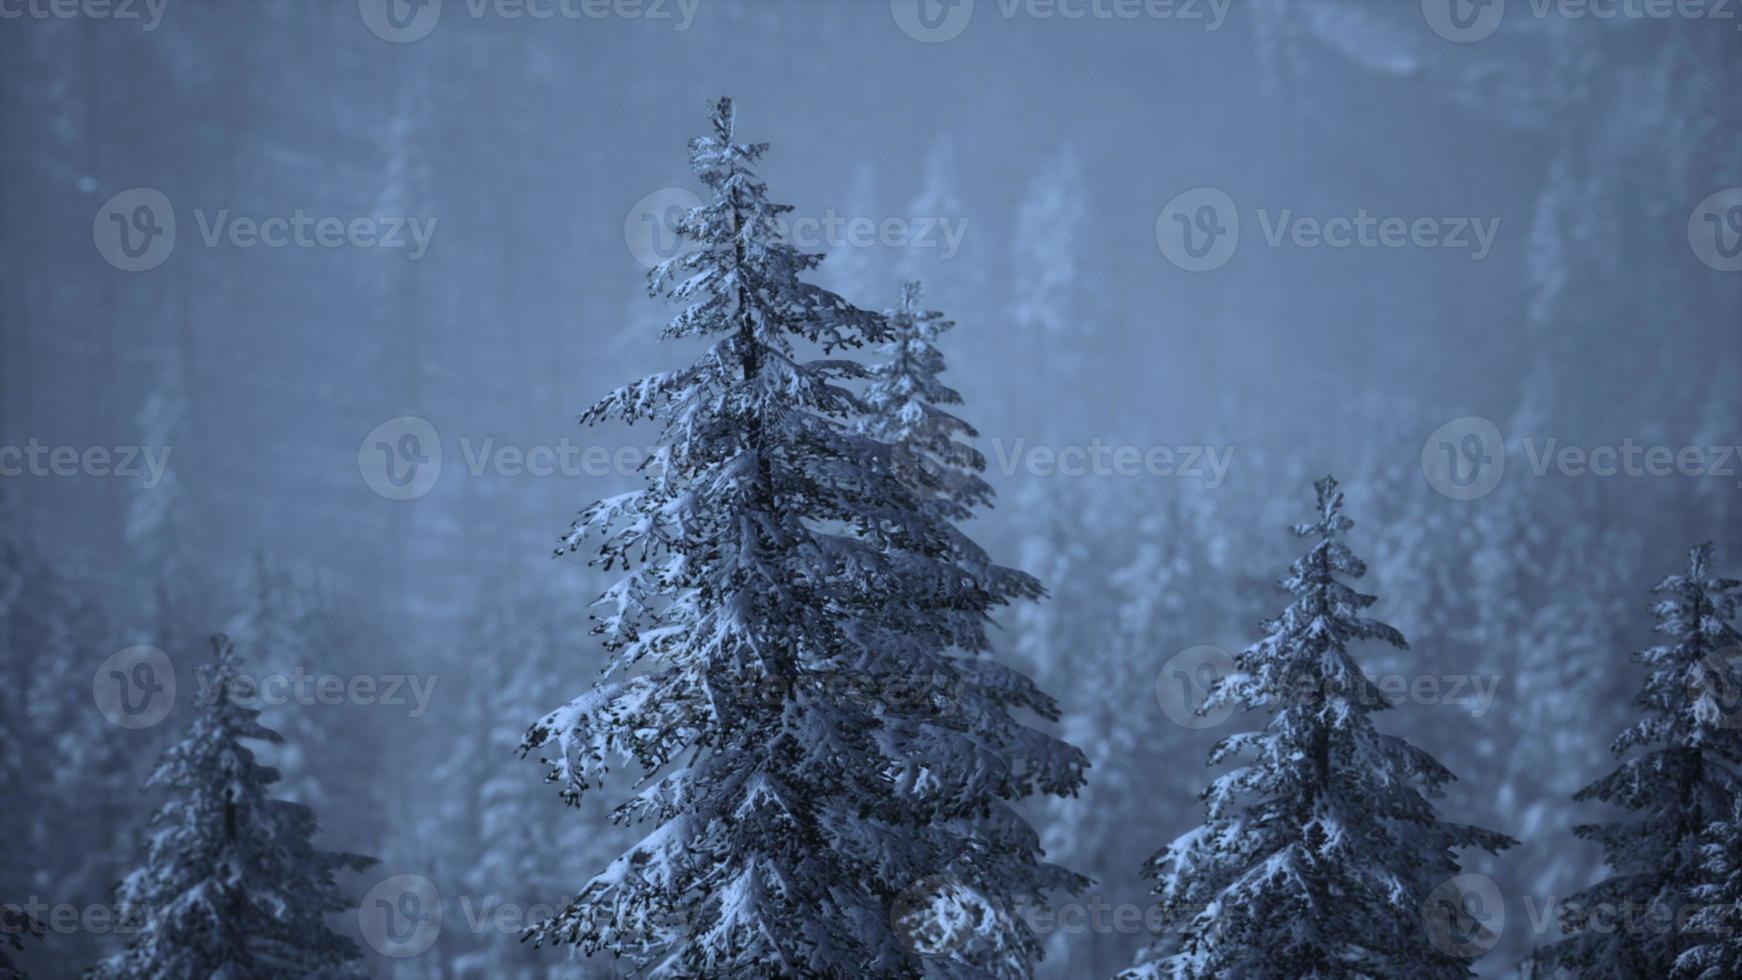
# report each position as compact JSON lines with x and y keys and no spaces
{"x":1030,"y":170}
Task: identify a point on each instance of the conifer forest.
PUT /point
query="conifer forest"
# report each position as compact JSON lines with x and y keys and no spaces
{"x":933,"y":489}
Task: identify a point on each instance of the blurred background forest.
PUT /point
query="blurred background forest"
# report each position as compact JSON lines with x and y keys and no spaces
{"x":1052,"y":145}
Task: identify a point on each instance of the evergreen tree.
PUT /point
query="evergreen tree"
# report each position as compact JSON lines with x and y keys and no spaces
{"x":798,"y":662}
{"x":232,"y":886}
{"x":1715,"y":926}
{"x":902,"y":403}
{"x":1319,"y":854}
{"x":1681,"y":784}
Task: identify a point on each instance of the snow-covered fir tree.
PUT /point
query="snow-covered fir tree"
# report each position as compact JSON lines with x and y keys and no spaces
{"x":902,"y":402}
{"x":1715,"y":924}
{"x":232,"y":885}
{"x":798,"y":656}
{"x":1320,"y":851}
{"x":1679,"y":784}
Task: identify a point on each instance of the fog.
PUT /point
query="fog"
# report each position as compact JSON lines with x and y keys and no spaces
{"x":302,"y":302}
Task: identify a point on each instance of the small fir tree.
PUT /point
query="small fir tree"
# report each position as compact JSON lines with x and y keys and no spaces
{"x":232,"y":885}
{"x":1321,"y":852}
{"x":903,"y":403}
{"x":1682,"y":784}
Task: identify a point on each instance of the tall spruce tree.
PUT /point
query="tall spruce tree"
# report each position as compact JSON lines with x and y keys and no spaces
{"x":1682,"y":784}
{"x":797,"y":655}
{"x":1319,"y":854}
{"x":903,"y":409}
{"x":232,"y":886}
